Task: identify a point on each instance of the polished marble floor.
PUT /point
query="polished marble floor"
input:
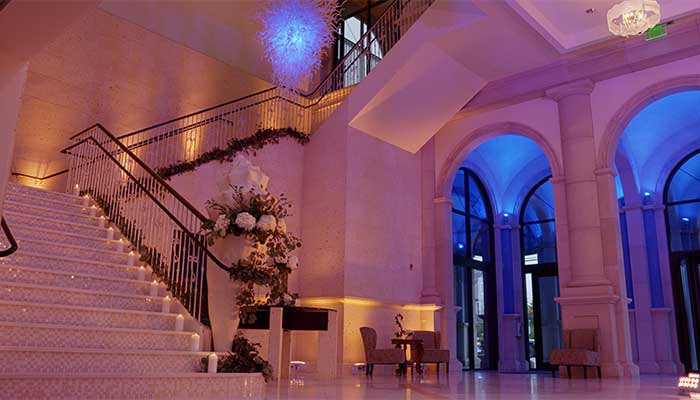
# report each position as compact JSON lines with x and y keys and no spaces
{"x":473,"y":385}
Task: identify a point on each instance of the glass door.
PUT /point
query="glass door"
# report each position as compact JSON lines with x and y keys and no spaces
{"x":543,"y":315}
{"x":474,"y":320}
{"x":686,"y":277}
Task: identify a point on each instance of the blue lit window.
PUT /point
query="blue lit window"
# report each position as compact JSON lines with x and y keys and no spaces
{"x":682,"y":199}
{"x":471,"y":220}
{"x":538,"y":228}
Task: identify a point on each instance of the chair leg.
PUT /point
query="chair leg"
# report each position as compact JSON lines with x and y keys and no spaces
{"x":568,"y":371}
{"x":599,"y":374}
{"x":438,"y":368}
{"x":585,"y":372}
{"x":447,"y":368}
{"x":366,"y":369}
{"x":553,"y":372}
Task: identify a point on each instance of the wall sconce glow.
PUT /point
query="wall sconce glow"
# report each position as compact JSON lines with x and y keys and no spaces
{"x":296,"y":35}
{"x":633,"y":17}
{"x":685,"y":219}
{"x":506,"y":215}
{"x":647,"y":194}
{"x":460,"y":245}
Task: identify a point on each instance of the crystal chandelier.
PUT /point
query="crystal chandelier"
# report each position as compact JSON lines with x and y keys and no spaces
{"x":633,"y":17}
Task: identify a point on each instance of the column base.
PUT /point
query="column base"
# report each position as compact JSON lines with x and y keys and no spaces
{"x":619,"y":370}
{"x":649,"y":367}
{"x":671,"y":368}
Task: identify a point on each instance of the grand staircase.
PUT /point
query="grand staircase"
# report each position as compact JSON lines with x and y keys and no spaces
{"x":79,"y":318}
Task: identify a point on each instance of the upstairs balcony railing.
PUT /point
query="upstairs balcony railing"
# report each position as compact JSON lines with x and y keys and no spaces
{"x":188,"y":137}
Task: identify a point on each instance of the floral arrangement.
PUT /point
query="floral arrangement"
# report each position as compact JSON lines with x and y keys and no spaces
{"x":253,"y":213}
{"x":244,"y":357}
{"x":402,"y":333}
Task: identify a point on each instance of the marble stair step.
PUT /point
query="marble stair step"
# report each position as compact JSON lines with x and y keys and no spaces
{"x":66,"y":250}
{"x":49,"y":313}
{"x":72,"y":265}
{"x":68,"y":336}
{"x":49,"y":195}
{"x":80,"y":297}
{"x":10,"y":273}
{"x":79,"y":216}
{"x":54,"y":236}
{"x":26,"y":360}
{"x":27,"y":220}
{"x":150,"y":385}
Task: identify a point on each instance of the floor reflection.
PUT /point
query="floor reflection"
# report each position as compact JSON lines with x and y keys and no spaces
{"x":472,"y":385}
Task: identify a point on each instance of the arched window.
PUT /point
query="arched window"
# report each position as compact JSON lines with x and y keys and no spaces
{"x":537,"y":221}
{"x":474,"y":278}
{"x":471,"y":220}
{"x":682,"y":200}
{"x":540,"y":275}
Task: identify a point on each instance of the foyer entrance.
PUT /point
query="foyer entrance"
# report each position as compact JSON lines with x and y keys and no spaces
{"x":685,"y":271}
{"x":540,"y":276}
{"x":474,"y":280}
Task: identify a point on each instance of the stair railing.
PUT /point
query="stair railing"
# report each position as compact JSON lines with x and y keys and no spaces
{"x":188,"y":137}
{"x":9,"y":245}
{"x":162,"y":226}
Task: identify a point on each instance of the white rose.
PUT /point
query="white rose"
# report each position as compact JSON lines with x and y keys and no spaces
{"x":282,"y":226}
{"x":293,"y":262}
{"x":245,"y":221}
{"x":267,"y":223}
{"x":222,"y":223}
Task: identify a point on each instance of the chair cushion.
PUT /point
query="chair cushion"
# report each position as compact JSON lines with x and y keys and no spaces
{"x":435,"y":356}
{"x":386,"y":356}
{"x":574,"y":357}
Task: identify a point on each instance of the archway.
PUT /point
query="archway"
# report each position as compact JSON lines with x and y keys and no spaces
{"x":649,"y":151}
{"x":500,"y":169}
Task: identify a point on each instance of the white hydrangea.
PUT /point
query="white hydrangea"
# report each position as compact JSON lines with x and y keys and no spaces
{"x":221,"y":225}
{"x":282,"y":226}
{"x":293,"y":262}
{"x":245,"y":221}
{"x":267,"y":223}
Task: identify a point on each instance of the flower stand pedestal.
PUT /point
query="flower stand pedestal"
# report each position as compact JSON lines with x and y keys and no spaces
{"x":222,"y":291}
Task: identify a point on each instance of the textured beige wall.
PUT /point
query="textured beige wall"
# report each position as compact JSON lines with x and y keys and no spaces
{"x":105,"y":69}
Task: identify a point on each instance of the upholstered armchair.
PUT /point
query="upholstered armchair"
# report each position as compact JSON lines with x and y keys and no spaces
{"x":373,"y":355}
{"x":432,"y":353}
{"x":581,"y":349}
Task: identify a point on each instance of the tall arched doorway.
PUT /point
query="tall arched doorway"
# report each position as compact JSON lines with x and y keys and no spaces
{"x":540,"y":275}
{"x":682,"y":201}
{"x":474,"y":276}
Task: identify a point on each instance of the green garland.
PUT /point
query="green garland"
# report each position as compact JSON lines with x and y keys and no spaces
{"x":260,"y":139}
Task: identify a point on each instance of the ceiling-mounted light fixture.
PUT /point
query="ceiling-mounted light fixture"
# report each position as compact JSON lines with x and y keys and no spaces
{"x":633,"y":17}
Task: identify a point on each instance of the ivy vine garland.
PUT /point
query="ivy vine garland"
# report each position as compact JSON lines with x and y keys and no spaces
{"x":260,"y":139}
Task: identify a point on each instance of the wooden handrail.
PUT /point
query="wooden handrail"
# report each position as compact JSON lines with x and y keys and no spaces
{"x":13,"y":243}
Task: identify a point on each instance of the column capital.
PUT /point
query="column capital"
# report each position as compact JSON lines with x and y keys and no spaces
{"x":583,"y":86}
{"x":605,"y":171}
{"x":443,"y":200}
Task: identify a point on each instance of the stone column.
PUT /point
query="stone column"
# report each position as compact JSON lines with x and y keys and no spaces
{"x":11,"y":91}
{"x":593,"y":292}
{"x":511,"y":329}
{"x":429,"y":293}
{"x":640,"y":283}
{"x":444,"y":266}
